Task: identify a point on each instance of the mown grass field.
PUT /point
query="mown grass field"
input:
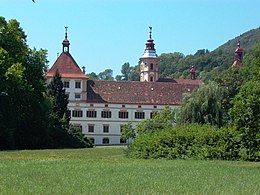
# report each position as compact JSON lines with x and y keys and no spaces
{"x":105,"y":170}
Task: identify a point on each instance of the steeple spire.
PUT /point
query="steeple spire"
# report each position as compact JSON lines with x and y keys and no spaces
{"x":150,"y":32}
{"x":66,"y":32}
{"x":149,"y":61}
{"x":65,"y":43}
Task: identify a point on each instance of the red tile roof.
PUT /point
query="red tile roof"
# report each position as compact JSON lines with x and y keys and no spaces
{"x":67,"y":66}
{"x":135,"y":92}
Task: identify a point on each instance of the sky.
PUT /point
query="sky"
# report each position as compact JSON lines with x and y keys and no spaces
{"x":104,"y":34}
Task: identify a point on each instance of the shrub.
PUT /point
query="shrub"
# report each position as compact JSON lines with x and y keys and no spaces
{"x":187,"y":141}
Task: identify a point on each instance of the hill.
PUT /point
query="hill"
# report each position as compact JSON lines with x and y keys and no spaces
{"x":207,"y":63}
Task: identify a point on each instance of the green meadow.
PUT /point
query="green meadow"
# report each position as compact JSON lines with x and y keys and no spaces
{"x":106,"y":170}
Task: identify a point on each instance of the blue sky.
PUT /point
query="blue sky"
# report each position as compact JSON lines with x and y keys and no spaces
{"x":107,"y":33}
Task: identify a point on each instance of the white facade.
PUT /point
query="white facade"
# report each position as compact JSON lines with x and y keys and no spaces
{"x":99,"y":127}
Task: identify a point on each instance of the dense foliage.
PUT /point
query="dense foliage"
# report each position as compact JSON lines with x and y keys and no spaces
{"x":232,"y":100}
{"x":28,"y":116}
{"x":187,"y":141}
{"x":207,"y":63}
{"x":203,"y":106}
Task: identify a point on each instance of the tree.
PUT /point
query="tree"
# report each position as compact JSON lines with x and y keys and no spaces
{"x":134,"y":75}
{"x":63,"y":134}
{"x":125,"y":70}
{"x":160,"y":121}
{"x":106,"y":75}
{"x":93,"y":76}
{"x":245,"y":116}
{"x":128,"y":132}
{"x":129,"y":73}
{"x":22,"y":87}
{"x":204,"y":106}
{"x":245,"y":113}
{"x":60,"y":99}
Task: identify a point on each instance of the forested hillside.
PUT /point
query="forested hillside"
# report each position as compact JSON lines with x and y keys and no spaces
{"x":177,"y":65}
{"x":207,"y":63}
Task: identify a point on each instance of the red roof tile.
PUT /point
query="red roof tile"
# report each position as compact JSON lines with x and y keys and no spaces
{"x":134,"y":92}
{"x":67,"y":66}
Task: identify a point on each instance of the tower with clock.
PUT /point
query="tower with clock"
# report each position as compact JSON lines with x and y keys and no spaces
{"x":149,"y":70}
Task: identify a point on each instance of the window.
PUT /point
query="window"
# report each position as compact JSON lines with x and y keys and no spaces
{"x":151,"y":66}
{"x":139,"y":115}
{"x":105,"y":141}
{"x":77,"y":96}
{"x":106,"y":105}
{"x":91,"y":105}
{"x":151,"y":79}
{"x":154,"y":106}
{"x":91,"y":113}
{"x":122,"y":141}
{"x":66,"y":84}
{"x":91,"y":128}
{"x":106,"y":114}
{"x":105,"y":128}
{"x":122,"y":114}
{"x":92,"y":140}
{"x":77,"y":113}
{"x":78,"y":84}
{"x":139,"y":106}
{"x":123,"y":106}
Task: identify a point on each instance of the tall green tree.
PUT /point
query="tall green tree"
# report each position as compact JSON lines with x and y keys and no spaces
{"x":203,"y":106}
{"x":23,"y":114}
{"x":245,"y":116}
{"x":60,"y":99}
{"x":245,"y":113}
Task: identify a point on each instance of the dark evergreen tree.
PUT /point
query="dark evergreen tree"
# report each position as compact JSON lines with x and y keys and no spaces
{"x":63,"y":134}
{"x":60,"y":99}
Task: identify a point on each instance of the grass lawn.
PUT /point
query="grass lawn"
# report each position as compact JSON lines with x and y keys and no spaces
{"x":105,"y":170}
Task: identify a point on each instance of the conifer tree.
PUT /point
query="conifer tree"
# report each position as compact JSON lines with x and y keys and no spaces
{"x":60,"y":99}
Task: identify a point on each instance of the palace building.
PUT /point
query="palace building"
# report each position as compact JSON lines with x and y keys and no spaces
{"x":100,"y":108}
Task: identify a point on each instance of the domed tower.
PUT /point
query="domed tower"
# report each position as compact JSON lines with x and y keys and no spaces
{"x":238,"y":55}
{"x":149,"y":70}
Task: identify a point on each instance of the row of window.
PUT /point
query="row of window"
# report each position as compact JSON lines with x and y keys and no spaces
{"x":91,"y":128}
{"x":108,"y":114}
{"x":106,"y":140}
{"x":66,"y":84}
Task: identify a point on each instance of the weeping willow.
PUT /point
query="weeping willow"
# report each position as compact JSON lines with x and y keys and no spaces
{"x":203,"y":106}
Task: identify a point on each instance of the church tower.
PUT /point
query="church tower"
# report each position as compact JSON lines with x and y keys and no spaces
{"x":238,"y":55}
{"x":149,"y":70}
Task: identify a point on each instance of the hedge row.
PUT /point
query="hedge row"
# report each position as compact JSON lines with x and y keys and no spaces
{"x":188,"y":141}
